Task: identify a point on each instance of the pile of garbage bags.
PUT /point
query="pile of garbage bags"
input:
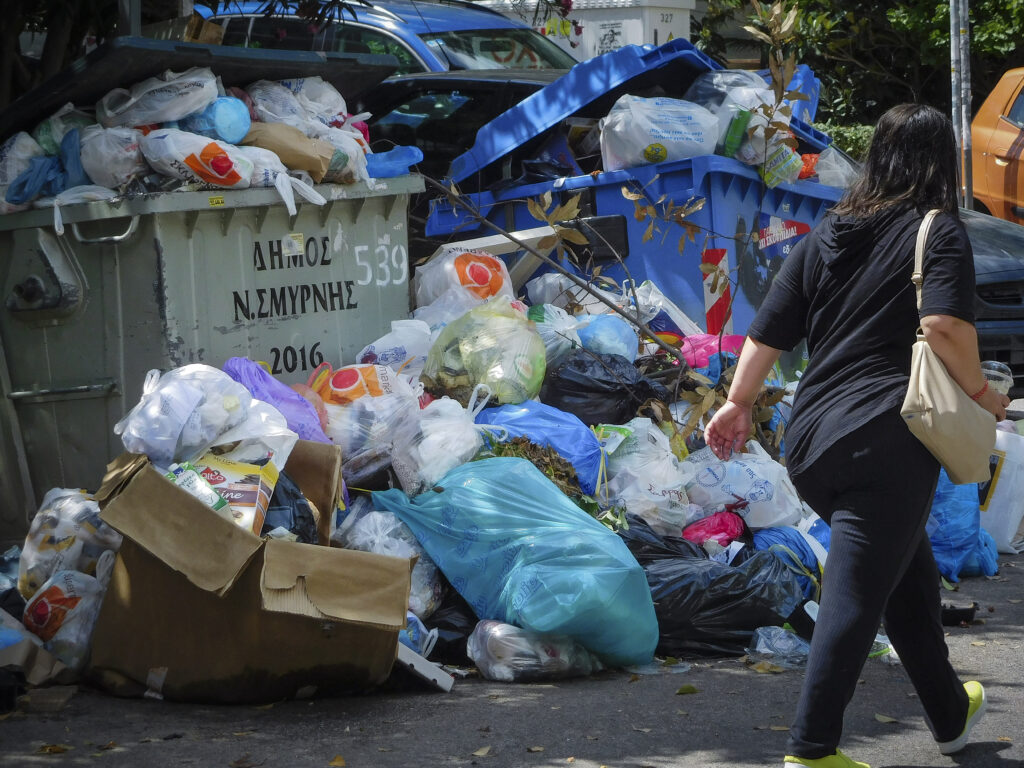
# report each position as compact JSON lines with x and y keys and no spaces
{"x":185,"y":130}
{"x":520,"y":457}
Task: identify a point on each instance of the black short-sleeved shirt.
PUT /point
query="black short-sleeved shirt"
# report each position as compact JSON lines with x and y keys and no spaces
{"x":846,"y":289}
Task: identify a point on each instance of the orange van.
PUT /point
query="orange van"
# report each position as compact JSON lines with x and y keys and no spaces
{"x":997,"y":138}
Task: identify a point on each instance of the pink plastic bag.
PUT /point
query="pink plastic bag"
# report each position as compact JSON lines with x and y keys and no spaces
{"x":722,"y":527}
{"x":698,"y":348}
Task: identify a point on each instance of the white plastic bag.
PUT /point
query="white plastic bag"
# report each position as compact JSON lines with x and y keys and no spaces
{"x":269,"y":171}
{"x":50,"y":132}
{"x":263,"y":434}
{"x":404,"y":349}
{"x":754,"y":477}
{"x":365,"y":430}
{"x":647,"y":479}
{"x":171,"y":96}
{"x":553,"y":288}
{"x":384,"y":534}
{"x":112,"y":156}
{"x":348,"y":165}
{"x":641,"y":131}
{"x":182,"y":413}
{"x":442,"y":436}
{"x":88,"y":193}
{"x":63,"y":612}
{"x":15,"y":154}
{"x":275,"y":103}
{"x":192,"y":157}
{"x":479,"y":274}
{"x":835,"y":169}
{"x":319,"y":99}
{"x":66,"y":534}
{"x":446,"y":308}
{"x":1002,"y":497}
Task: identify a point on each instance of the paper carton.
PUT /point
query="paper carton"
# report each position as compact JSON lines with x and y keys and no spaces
{"x":199,"y":609}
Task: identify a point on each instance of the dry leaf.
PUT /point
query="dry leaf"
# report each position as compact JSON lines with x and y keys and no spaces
{"x":593,"y":738}
{"x":243,"y":733}
{"x":641,"y":730}
{"x":686,"y":689}
{"x":1014,"y":600}
{"x":682,"y":712}
{"x":885,"y":718}
{"x":979,"y":643}
{"x":760,"y":727}
{"x":570,"y":759}
{"x":535,"y":749}
{"x":245,"y":762}
{"x":383,"y":749}
{"x":53,"y":749}
{"x":633,"y":678}
{"x":779,"y":727}
{"x":629,"y":195}
{"x":766,"y":668}
{"x":337,"y":762}
{"x":482,"y":752}
{"x":1004,"y":738}
{"x":108,"y":745}
{"x":264,"y":706}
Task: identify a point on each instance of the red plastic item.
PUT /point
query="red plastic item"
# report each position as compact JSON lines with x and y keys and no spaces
{"x":722,"y":527}
{"x":810,"y":164}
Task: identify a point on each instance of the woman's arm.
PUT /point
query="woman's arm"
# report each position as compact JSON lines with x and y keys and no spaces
{"x":730,"y":427}
{"x":955,"y":341}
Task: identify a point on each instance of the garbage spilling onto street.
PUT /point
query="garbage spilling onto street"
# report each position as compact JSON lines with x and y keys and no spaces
{"x":511,"y":478}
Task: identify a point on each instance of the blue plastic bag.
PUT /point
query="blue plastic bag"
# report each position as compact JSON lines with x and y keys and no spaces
{"x":520,"y":552}
{"x":954,"y":525}
{"x":984,"y":560}
{"x":300,"y":414}
{"x":608,"y":335}
{"x":544,"y":425}
{"x":793,"y":549}
{"x":48,"y":176}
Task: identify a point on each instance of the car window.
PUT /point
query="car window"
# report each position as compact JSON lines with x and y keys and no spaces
{"x":1017,"y":110}
{"x":349,"y":38}
{"x":498,"y":49}
{"x":275,"y":32}
{"x":441,"y":123}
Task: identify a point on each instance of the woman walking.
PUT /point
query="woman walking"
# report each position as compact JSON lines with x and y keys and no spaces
{"x":846,"y":288}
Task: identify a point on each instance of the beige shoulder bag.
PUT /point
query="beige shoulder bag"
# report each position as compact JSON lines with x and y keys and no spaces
{"x":959,"y":432}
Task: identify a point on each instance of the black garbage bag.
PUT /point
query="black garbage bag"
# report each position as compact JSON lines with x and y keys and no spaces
{"x":708,"y":608}
{"x":289,"y":509}
{"x":454,"y":620}
{"x":599,"y":389}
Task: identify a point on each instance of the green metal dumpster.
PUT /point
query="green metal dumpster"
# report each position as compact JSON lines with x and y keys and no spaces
{"x":169,"y":279}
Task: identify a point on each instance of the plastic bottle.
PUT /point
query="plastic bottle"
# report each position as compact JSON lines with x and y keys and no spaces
{"x":227,"y":119}
{"x":507,"y":653}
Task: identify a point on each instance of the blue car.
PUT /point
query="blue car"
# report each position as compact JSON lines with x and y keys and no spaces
{"x":423,"y":35}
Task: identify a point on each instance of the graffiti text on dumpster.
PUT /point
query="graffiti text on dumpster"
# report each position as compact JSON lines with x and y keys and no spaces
{"x":383,"y":265}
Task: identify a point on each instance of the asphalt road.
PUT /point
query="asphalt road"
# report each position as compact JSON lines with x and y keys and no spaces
{"x":736,"y":718}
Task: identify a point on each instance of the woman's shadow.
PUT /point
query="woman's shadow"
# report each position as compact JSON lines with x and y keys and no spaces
{"x":980,"y":754}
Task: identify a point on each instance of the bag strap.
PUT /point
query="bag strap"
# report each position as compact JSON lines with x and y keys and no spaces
{"x":917,"y":278}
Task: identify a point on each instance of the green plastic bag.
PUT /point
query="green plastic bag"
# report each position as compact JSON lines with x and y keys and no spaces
{"x":493,"y":344}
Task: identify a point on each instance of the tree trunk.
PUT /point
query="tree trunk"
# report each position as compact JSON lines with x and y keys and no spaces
{"x":10,"y":51}
{"x":60,"y":22}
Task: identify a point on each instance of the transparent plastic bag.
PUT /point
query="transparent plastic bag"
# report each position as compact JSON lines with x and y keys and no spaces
{"x":384,"y":534}
{"x":63,"y":612}
{"x":89,"y":193}
{"x":446,"y":308}
{"x":559,"y":290}
{"x":640,"y":131}
{"x":112,"y":156}
{"x":319,"y":99}
{"x":493,"y":344}
{"x":440,"y":437}
{"x":171,"y":96}
{"x":509,"y":654}
{"x":275,"y":103}
{"x":835,"y":169}
{"x":557,"y":329}
{"x":480,"y":274}
{"x":51,"y":131}
{"x":780,"y":646}
{"x":192,"y":157}
{"x":365,"y":430}
{"x":182,"y":413}
{"x":262,"y":435}
{"x":66,"y":534}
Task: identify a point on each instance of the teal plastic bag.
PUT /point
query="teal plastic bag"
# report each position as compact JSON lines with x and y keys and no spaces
{"x":520,"y":552}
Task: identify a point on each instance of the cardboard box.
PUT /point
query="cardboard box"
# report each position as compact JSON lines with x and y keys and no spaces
{"x":199,"y":609}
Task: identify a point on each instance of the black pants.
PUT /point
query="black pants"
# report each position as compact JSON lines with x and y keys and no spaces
{"x":874,"y":487}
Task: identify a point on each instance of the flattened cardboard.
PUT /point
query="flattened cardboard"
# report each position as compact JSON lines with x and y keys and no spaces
{"x":291,"y":616}
{"x":37,"y":664}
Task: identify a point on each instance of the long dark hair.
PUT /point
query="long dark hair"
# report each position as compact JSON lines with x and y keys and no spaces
{"x":912,"y":161}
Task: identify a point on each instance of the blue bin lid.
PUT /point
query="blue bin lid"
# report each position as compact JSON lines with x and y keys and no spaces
{"x":631,"y":68}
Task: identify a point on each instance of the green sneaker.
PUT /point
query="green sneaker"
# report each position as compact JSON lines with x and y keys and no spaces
{"x":975,"y":709}
{"x":838,"y":760}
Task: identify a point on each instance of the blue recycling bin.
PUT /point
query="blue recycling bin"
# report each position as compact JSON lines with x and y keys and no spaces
{"x":743,"y":226}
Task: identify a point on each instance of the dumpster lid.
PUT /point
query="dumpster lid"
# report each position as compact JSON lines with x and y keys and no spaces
{"x":591,"y":87}
{"x":123,"y":61}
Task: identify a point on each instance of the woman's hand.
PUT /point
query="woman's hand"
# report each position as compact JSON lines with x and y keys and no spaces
{"x":729,"y":429}
{"x":995,"y":403}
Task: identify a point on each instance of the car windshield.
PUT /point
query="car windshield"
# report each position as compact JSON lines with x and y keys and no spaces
{"x":498,"y":49}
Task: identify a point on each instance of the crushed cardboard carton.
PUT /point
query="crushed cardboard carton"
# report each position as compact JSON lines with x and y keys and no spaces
{"x":199,"y":609}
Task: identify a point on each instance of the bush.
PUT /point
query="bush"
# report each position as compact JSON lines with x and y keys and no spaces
{"x":852,"y":139}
